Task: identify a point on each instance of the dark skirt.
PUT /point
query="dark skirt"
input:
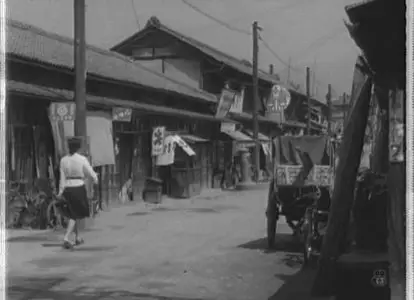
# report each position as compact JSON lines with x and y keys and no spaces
{"x":77,"y":202}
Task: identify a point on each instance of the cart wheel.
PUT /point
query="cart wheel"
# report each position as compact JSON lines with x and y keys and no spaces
{"x":309,"y":258}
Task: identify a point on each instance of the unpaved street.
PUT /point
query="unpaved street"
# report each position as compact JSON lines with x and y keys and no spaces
{"x":208,"y":248}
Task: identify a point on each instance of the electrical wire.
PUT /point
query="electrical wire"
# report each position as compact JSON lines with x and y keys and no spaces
{"x":319,"y":41}
{"x":222,"y":23}
{"x":135,"y":14}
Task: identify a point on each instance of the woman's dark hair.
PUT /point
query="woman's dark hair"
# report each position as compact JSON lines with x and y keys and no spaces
{"x":74,"y":144}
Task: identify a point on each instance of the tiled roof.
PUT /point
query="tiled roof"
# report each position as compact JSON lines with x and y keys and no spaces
{"x":27,"y":89}
{"x":238,"y":64}
{"x":35,"y":44}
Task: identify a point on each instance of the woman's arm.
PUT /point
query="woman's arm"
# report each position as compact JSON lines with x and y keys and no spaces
{"x":62,"y":178}
{"x":87,"y":168}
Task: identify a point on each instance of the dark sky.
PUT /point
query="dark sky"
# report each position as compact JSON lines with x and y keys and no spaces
{"x":308,"y":32}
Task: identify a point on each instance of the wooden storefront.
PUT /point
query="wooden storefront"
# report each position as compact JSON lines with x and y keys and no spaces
{"x":30,"y":150}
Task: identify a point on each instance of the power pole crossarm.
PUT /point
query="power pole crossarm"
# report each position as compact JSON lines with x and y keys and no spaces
{"x":256,"y":98}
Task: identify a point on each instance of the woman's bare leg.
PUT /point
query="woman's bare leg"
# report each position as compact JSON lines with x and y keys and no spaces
{"x":69,"y":229}
{"x":75,"y":230}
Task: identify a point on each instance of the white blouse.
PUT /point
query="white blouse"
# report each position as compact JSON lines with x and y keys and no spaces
{"x":73,"y":171}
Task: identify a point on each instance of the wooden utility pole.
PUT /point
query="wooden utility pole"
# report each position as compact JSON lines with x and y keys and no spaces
{"x":256,"y":98}
{"x":343,"y":109}
{"x":344,"y":187}
{"x":288,"y":74}
{"x":329,"y":103}
{"x":308,"y":100}
{"x":80,"y":86}
{"x":80,"y":70}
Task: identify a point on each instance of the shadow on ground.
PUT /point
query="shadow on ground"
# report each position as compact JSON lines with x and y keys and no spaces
{"x":283,"y":243}
{"x":137,"y":214}
{"x":297,"y":286}
{"x":48,"y":288}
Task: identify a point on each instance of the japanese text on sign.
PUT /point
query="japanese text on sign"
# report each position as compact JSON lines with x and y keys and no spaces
{"x":158,"y":136}
{"x":168,"y":154}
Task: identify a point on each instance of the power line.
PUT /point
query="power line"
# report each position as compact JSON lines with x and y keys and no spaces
{"x":267,"y":46}
{"x":222,"y":23}
{"x":135,"y":14}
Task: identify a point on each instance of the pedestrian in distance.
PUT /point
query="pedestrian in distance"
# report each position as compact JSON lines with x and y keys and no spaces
{"x":74,"y":169}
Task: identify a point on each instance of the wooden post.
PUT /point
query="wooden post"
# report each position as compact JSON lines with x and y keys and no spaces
{"x":344,"y":110}
{"x":329,"y":115}
{"x":308,"y":127}
{"x":256,"y":99}
{"x":343,"y":194}
{"x":80,"y":70}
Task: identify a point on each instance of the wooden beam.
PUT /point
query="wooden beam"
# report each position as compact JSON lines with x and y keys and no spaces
{"x":343,"y":194}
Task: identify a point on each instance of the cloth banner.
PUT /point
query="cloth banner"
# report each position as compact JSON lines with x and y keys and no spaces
{"x":187,"y":149}
{"x":314,"y":147}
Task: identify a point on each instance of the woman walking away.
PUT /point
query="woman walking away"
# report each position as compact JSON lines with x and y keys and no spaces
{"x":74,"y":168}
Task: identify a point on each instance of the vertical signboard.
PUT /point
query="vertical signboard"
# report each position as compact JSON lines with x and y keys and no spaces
{"x":158,"y":136}
{"x":237,"y":106}
{"x":225,"y":102}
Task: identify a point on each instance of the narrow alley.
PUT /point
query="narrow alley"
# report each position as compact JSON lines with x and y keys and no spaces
{"x":209,"y":248}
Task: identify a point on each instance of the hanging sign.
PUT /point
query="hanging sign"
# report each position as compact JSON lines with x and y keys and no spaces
{"x":227,"y":126}
{"x":121,"y":114}
{"x":184,"y":145}
{"x":225,"y":102}
{"x":266,"y":149}
{"x":62,"y":111}
{"x":158,"y":136}
{"x":237,"y":106}
{"x":167,"y":156}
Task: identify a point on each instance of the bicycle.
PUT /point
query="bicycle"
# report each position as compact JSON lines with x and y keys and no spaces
{"x":55,"y":217}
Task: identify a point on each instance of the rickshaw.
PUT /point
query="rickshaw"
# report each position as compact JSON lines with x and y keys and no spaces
{"x":300,"y":189}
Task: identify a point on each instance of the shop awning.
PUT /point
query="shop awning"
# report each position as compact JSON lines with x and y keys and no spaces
{"x":59,"y":95}
{"x":238,"y":136}
{"x":261,"y":136}
{"x":190,"y":138}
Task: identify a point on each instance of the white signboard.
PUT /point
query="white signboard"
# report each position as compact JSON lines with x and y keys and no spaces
{"x":158,"y":136}
{"x":225,"y":102}
{"x":166,"y":158}
{"x":226,"y":127}
{"x":237,"y":106}
{"x":184,"y":145}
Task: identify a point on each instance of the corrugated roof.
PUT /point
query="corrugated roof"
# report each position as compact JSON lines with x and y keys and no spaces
{"x":35,"y":44}
{"x":27,"y":89}
{"x":240,"y":65}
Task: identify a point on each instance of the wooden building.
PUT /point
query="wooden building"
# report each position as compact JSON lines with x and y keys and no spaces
{"x":41,"y":75}
{"x":195,"y":63}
